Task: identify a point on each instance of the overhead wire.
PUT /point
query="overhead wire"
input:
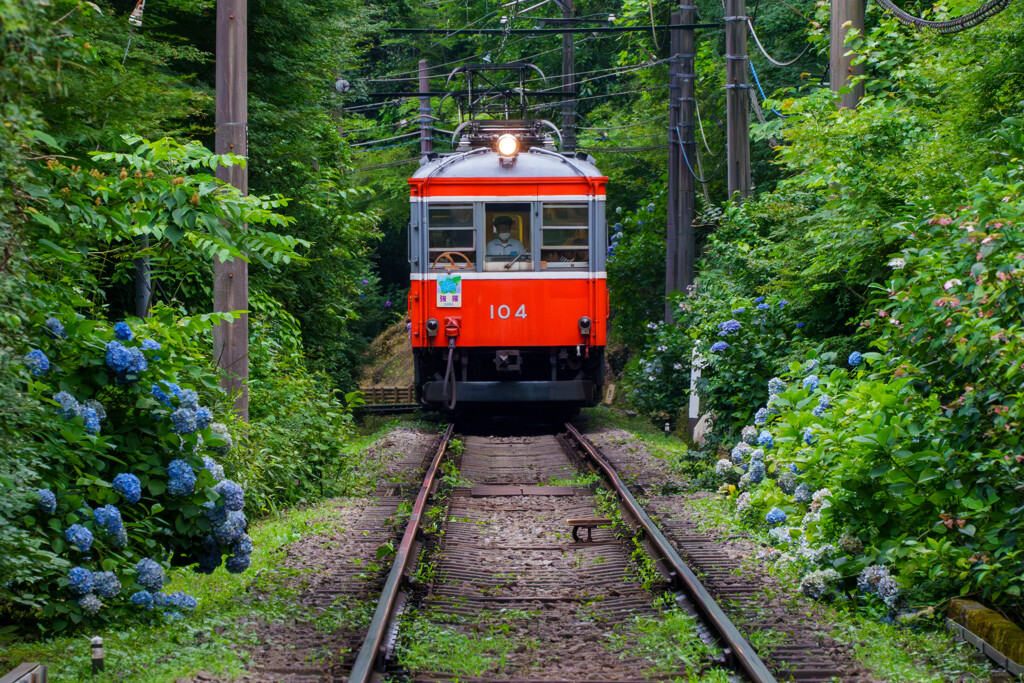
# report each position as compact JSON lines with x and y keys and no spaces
{"x":761,"y":90}
{"x":767,"y":56}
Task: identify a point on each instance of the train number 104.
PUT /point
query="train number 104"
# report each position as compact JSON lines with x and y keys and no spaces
{"x":504,"y":311}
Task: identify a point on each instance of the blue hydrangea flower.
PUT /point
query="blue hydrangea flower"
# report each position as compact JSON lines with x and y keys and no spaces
{"x":730,"y":326}
{"x":203,"y":417}
{"x":143,"y":599}
{"x":56,"y":329}
{"x":181,"y":478}
{"x":150,"y":574}
{"x":217,"y":514}
{"x":739,"y":453}
{"x":80,"y":580}
{"x":765,"y":439}
{"x":78,"y":536}
{"x":233,"y":527}
{"x":855,"y":359}
{"x":215,"y":470}
{"x":870,"y":577}
{"x":756,"y":471}
{"x":889,"y":590}
{"x":184,"y":421}
{"x":775,"y":516}
{"x":650,"y":207}
{"x":90,"y":605}
{"x":761,"y":416}
{"x":242,"y":545}
{"x":802,"y":494}
{"x":109,"y":517}
{"x":236,"y":564}
{"x":811,"y":383}
{"x":737,"y":311}
{"x":118,"y":537}
{"x":47,"y":501}
{"x":799,"y":325}
{"x":749,"y":435}
{"x":129,"y":486}
{"x":210,"y":557}
{"x":106,"y":585}
{"x":38,"y":363}
{"x":181,"y":601}
{"x":123,"y":332}
{"x":138,"y":362}
{"x":818,"y":410}
{"x":809,"y":436}
{"x":161,"y":599}
{"x":782,"y":304}
{"x":825,"y":401}
{"x":164,"y":397}
{"x":101,"y":412}
{"x":91,"y":420}
{"x":763,"y":307}
{"x":234,"y":497}
{"x":776,"y":386}
{"x":151,"y":345}
{"x":188,"y":399}
{"x":118,"y":357}
{"x":68,"y":405}
{"x":758,"y":299}
{"x":719,"y":346}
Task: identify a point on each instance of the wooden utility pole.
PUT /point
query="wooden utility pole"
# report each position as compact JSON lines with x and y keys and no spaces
{"x":231,"y":278}
{"x":737,"y":103}
{"x":675,"y":171}
{"x":426,"y":122}
{"x":846,"y":15}
{"x":688,"y":181}
{"x":568,"y":78}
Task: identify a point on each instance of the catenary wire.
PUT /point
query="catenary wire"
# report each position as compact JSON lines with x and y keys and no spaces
{"x":954,"y":25}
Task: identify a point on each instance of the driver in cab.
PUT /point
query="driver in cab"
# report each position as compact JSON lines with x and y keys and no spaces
{"x":504,"y":244}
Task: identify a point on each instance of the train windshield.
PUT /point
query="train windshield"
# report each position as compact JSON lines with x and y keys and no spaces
{"x":452,"y":237}
{"x":507,"y":230}
{"x":564,"y":236}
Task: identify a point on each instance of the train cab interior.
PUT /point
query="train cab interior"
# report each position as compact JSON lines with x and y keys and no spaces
{"x":509,"y":236}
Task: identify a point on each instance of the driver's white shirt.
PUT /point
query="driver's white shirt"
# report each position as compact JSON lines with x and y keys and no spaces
{"x":511,"y":248}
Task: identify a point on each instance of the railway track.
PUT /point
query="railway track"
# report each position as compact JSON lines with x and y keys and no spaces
{"x":507,"y":572}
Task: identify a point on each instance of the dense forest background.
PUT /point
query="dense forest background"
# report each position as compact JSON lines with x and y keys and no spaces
{"x":884,"y":238}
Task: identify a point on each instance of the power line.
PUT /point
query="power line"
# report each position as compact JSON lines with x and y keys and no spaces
{"x":596,"y":97}
{"x":765,"y":52}
{"x":954,"y":25}
{"x":552,"y":31}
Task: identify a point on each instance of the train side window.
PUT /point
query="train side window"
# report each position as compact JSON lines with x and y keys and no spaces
{"x":507,"y":229}
{"x":451,"y":241}
{"x":564,"y":236}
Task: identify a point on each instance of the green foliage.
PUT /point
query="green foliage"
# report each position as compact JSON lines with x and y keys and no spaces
{"x":636,"y":270}
{"x":77,"y":461}
{"x":293,"y":449}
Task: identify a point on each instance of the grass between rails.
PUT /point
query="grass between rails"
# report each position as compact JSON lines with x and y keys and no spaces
{"x":211,"y":639}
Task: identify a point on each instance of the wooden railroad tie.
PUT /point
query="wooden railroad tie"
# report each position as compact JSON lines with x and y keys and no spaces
{"x":588,"y":523}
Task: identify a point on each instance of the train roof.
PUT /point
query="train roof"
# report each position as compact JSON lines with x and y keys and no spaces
{"x":534,"y":162}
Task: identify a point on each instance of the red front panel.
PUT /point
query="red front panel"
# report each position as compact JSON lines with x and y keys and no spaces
{"x":508,"y":313}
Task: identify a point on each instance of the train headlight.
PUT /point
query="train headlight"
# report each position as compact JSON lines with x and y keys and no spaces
{"x":585,"y":324}
{"x":432,"y":327}
{"x":508,"y":145}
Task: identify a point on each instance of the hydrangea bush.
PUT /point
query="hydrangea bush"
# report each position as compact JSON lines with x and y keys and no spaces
{"x":131,"y":484}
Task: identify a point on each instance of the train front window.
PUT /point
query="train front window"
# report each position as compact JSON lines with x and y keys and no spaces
{"x":452,"y":237}
{"x":564,"y":236}
{"x":507,"y":229}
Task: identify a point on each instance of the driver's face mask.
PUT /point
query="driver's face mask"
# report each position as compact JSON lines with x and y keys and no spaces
{"x":503,"y":236}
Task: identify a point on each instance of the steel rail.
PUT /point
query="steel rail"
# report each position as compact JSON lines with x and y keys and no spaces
{"x":740,"y":650}
{"x":370,"y":653}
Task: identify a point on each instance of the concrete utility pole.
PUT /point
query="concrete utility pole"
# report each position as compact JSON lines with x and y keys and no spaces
{"x":688,"y":182}
{"x":675,"y":170}
{"x":680,"y":240}
{"x":568,"y":78}
{"x":737,"y":104}
{"x":426,"y":122}
{"x":846,"y":15}
{"x":231,"y":278}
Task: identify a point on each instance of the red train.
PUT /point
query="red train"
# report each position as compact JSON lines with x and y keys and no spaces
{"x":508,"y":301}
